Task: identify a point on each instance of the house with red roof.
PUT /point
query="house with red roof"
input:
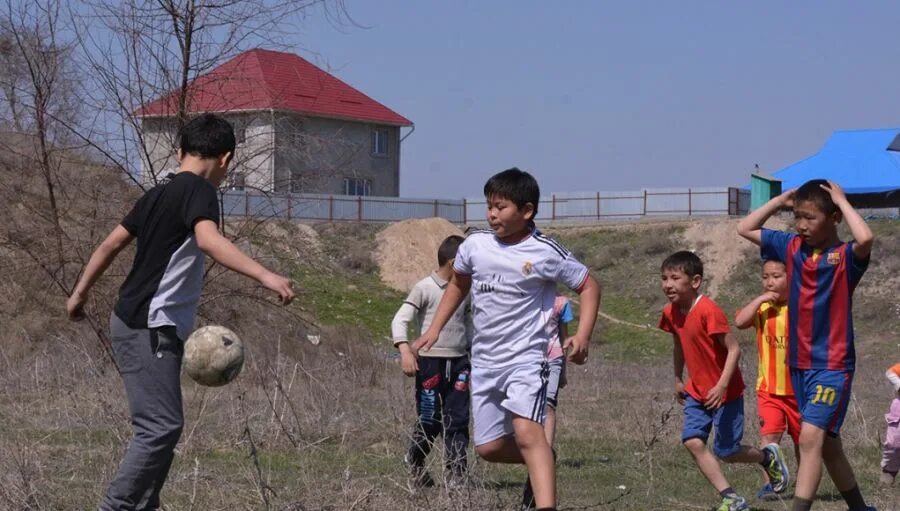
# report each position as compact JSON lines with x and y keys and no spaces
{"x":298,"y":127}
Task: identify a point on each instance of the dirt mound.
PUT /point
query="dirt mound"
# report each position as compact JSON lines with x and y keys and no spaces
{"x":407,"y":250}
{"x":720,"y":247}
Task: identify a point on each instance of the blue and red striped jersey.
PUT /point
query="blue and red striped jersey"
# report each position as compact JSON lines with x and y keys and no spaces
{"x":820,"y":302}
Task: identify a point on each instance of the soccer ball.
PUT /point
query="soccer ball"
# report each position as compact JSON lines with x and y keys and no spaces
{"x":213,"y":356}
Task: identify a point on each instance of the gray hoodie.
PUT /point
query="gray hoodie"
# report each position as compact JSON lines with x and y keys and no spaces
{"x":420,"y":306}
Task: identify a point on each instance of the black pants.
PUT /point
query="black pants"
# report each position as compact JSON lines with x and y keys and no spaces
{"x":442,"y":402}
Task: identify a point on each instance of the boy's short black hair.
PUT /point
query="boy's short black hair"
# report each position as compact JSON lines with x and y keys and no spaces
{"x":811,"y":191}
{"x":448,"y":249}
{"x":517,"y":186}
{"x":686,"y":261}
{"x":207,"y":136}
{"x":764,"y":261}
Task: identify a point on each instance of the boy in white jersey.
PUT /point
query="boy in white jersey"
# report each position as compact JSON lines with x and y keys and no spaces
{"x":512,"y":271}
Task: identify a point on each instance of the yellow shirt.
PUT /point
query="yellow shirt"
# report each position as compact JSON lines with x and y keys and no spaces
{"x":771,"y":322}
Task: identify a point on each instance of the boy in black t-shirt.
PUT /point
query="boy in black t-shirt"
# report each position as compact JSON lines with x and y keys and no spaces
{"x":175,"y":223}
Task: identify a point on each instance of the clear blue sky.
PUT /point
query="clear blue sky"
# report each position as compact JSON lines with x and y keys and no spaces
{"x":592,"y":95}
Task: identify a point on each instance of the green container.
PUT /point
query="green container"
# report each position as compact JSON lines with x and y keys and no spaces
{"x":762,"y":189}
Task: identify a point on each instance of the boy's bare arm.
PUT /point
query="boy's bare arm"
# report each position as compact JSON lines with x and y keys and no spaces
{"x":716,"y":397}
{"x":860,"y":230}
{"x":750,"y":227}
{"x":744,"y":317}
{"x":578,"y":344}
{"x":223,"y":251}
{"x":678,"y":366}
{"x":100,"y":260}
{"x":456,"y":292}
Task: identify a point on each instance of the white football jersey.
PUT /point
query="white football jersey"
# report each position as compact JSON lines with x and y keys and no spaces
{"x":513,"y":290}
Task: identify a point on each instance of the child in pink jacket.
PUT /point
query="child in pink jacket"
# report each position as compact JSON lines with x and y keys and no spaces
{"x":890,"y":458}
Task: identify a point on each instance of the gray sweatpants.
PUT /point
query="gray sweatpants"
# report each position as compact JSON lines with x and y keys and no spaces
{"x":150,"y":363}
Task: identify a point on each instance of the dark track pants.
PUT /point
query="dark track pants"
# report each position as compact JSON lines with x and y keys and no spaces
{"x":442,"y":402}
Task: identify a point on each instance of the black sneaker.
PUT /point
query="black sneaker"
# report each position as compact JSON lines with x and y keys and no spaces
{"x":528,"y":495}
{"x":418,"y":476}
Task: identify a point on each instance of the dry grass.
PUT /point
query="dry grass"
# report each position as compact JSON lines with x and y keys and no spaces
{"x":324,"y":427}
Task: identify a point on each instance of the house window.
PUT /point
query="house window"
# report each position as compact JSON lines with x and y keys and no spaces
{"x":380,"y":142}
{"x":296,"y":182}
{"x":236,"y":181}
{"x":356,"y":186}
{"x":240,"y":131}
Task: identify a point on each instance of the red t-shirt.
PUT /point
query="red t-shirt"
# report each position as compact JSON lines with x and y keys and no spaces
{"x":703,"y":355}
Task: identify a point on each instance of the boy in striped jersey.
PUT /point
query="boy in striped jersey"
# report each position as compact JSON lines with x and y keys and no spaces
{"x":512,"y":271}
{"x":776,"y":404}
{"x":822,"y":273}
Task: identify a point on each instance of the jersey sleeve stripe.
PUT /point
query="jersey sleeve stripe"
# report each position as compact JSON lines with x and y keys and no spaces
{"x":552,"y":242}
{"x":561,"y":251}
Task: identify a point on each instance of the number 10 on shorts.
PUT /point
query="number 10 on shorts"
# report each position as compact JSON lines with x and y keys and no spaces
{"x":824,"y":395}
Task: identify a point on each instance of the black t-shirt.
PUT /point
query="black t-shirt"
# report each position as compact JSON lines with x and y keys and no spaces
{"x":163,"y":287}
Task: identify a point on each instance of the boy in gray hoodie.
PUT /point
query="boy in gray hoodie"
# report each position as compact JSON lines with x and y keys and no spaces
{"x":442,"y":373}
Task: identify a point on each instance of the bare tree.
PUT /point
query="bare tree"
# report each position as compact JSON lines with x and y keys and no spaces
{"x":138,"y":51}
{"x":39,"y":95}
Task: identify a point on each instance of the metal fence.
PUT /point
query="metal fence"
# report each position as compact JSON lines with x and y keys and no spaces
{"x":572,"y":207}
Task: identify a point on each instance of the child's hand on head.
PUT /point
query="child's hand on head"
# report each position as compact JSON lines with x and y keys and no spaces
{"x":835,"y":190}
{"x":787,"y":198}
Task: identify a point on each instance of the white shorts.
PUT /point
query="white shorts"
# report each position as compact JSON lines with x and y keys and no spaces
{"x":499,"y":394}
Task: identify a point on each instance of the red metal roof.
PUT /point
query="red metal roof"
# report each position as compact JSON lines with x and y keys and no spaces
{"x":264,"y":79}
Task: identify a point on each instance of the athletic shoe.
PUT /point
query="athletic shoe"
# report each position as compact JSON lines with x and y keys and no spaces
{"x":766,"y":493}
{"x":868,"y":508}
{"x":418,"y":476}
{"x":777,"y":469}
{"x":528,"y":491}
{"x":733,"y":503}
{"x":528,"y":496}
{"x":887,"y":478}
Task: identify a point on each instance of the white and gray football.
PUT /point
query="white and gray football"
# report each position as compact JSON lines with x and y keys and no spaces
{"x":213,"y":356}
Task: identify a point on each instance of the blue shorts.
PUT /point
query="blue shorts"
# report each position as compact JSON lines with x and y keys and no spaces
{"x":823,"y":397}
{"x":728,"y":420}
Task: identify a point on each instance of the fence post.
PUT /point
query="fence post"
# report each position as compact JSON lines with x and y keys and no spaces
{"x":331,"y":208}
{"x":435,"y":208}
{"x":289,"y":206}
{"x":645,"y":203}
{"x":246,"y":204}
{"x":465,"y":214}
{"x":598,"y":205}
{"x":553,"y":214}
{"x":359,"y":208}
{"x":690,"y":206}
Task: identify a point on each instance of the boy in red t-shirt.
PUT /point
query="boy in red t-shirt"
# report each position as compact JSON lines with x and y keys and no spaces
{"x":713,"y":395}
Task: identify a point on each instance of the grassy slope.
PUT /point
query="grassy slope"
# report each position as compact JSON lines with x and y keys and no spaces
{"x":619,"y":428}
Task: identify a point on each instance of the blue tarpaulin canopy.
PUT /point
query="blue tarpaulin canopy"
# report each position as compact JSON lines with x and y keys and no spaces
{"x":861,"y":161}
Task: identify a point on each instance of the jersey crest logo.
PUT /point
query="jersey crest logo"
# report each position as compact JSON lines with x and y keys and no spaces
{"x":834,"y":258}
{"x":527,"y":268}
